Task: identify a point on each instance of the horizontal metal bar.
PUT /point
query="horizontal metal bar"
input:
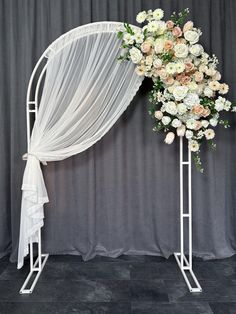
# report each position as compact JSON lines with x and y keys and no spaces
{"x":32,"y":110}
{"x":185,"y":215}
{"x":30,"y":290}
{"x":185,"y":162}
{"x":31,"y":102}
{"x":198,"y":288}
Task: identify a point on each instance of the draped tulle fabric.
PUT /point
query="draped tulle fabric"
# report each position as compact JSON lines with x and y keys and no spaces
{"x":85,"y":91}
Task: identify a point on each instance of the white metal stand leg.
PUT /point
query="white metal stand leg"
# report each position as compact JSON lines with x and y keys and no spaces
{"x":185,"y":264}
{"x":34,"y":267}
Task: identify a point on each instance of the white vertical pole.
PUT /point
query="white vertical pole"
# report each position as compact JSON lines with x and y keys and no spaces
{"x":181,"y":202}
{"x":39,"y":249}
{"x":190,"y":205}
{"x":31,"y":255}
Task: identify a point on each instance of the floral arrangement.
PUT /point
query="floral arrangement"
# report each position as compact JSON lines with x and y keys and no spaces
{"x":186,"y":98}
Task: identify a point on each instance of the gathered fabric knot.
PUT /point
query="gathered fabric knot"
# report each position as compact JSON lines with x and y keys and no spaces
{"x":25,"y":157}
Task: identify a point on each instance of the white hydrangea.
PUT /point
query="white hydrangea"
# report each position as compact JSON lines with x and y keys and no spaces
{"x":208,"y":92}
{"x":135,"y":55}
{"x":219,"y":103}
{"x":138,"y":37}
{"x":191,"y":99}
{"x":227,"y":105}
{"x":191,"y":124}
{"x":182,"y":108}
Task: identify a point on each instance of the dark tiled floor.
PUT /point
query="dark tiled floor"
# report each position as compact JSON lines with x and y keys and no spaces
{"x":128,"y":284}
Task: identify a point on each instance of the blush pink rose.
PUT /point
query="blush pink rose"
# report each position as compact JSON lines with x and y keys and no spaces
{"x":146,"y":47}
{"x":170,"y":24}
{"x":189,"y":66}
{"x":206,"y":112}
{"x":185,"y":80}
{"x":198,"y":125}
{"x":198,"y":109}
{"x":168,"y":45}
{"x":177,"y":31}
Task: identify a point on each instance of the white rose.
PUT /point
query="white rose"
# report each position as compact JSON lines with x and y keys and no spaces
{"x":180,"y":67}
{"x":170,"y":136}
{"x":189,"y":134}
{"x":176,"y":123}
{"x":213,"y":122}
{"x":191,"y":36}
{"x":180,"y":92}
{"x":193,"y":146}
{"x":208,"y":92}
{"x":191,"y":124}
{"x":182,"y":109}
{"x":196,"y":50}
{"x":171,"y":108}
{"x":159,"y":45}
{"x":205,"y":123}
{"x":166,"y":120}
{"x":191,"y":99}
{"x":157,"y":63}
{"x":158,"y":115}
{"x":135,"y":55}
{"x":181,"y":50}
{"x":141,"y":17}
{"x":209,"y":134}
{"x":158,"y":14}
{"x":171,"y":68}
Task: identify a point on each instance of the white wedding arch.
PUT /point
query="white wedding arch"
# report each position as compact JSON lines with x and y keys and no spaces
{"x":76,"y":92}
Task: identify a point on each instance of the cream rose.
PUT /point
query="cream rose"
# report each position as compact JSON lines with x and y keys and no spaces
{"x":181,"y":130}
{"x":159,"y":45}
{"x":196,"y":50}
{"x":191,"y":36}
{"x":188,"y":26}
{"x":180,"y":92}
{"x":158,"y":115}
{"x":170,"y":136}
{"x":181,"y":50}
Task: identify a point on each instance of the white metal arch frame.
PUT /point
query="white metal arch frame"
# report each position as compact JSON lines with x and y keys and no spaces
{"x":32,"y":105}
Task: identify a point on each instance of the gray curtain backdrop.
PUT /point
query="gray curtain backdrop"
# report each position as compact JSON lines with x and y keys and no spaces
{"x":120,"y":196}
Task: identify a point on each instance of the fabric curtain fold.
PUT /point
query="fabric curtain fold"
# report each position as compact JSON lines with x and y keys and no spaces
{"x":85,"y":91}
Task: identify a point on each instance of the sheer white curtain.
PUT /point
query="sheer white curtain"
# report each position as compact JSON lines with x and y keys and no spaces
{"x":85,"y":91}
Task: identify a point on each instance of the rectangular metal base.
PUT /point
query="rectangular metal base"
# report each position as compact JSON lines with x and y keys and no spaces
{"x":183,"y":269}
{"x":34,"y":269}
